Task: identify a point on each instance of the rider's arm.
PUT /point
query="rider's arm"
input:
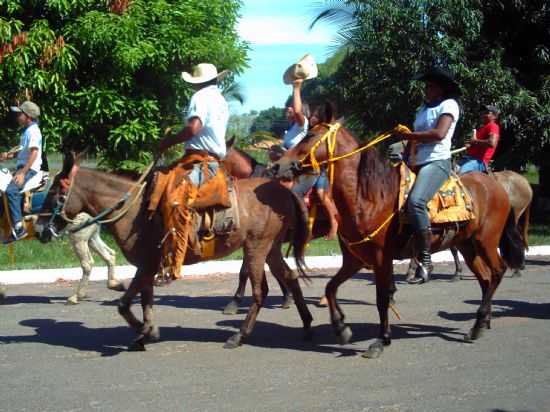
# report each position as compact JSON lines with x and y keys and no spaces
{"x":433,"y":135}
{"x":194,"y":124}
{"x":491,"y":141}
{"x":297,"y":102}
{"x":33,"y":155}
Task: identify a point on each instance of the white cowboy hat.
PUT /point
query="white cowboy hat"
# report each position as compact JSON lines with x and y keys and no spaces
{"x":306,"y":69}
{"x":202,"y":73}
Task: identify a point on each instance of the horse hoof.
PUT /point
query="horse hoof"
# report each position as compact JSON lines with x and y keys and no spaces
{"x":456,"y":277}
{"x":137,"y":346}
{"x":72,"y":300}
{"x":232,"y":308}
{"x":116,"y":285}
{"x":374,"y":351}
{"x":323,"y":301}
{"x":288,"y":302}
{"x":233,"y":342}
{"x":474,"y":334}
{"x":345,"y":336}
{"x":516,"y":274}
{"x":153,"y":335}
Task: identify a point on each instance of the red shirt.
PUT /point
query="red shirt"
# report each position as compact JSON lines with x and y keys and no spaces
{"x":484,"y":153}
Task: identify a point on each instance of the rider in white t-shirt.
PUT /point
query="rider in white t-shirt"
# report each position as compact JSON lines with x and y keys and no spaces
{"x":434,"y":126}
{"x":29,"y":161}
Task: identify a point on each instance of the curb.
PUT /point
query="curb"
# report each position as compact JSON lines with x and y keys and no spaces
{"x":23,"y":276}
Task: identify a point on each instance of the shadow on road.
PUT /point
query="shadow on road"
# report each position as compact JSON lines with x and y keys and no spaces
{"x":14,"y":300}
{"x":504,"y":308}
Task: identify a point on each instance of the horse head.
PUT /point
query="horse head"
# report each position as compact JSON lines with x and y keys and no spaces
{"x":52,"y":218}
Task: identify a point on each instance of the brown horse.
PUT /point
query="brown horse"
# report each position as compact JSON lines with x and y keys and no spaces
{"x":365,"y":191}
{"x":520,"y":194}
{"x":267,"y":211}
{"x":241,"y":165}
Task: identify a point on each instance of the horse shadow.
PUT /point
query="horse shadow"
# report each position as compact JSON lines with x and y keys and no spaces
{"x":504,"y":308}
{"x":14,"y":300}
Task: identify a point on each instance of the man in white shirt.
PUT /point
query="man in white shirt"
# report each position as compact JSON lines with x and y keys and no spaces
{"x":207,"y":117}
{"x":29,"y":161}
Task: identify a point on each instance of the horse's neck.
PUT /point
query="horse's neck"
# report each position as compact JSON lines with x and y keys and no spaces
{"x":101,"y":190}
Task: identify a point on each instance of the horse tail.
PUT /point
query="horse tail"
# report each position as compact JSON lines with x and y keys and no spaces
{"x":511,"y":244}
{"x":523,"y":224}
{"x":300,"y":235}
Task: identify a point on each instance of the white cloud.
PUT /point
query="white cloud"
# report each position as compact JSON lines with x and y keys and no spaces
{"x":282,"y":30}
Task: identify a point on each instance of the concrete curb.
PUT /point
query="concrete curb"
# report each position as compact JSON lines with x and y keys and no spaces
{"x":14,"y":277}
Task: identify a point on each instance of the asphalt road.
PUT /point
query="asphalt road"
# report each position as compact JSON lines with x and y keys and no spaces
{"x":55,"y":357}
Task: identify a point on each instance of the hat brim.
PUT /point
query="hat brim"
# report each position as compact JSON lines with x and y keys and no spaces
{"x":15,"y":109}
{"x":289,"y":75}
{"x":188,"y":77}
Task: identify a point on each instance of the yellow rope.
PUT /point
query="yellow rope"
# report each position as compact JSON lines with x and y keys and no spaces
{"x":370,"y":236}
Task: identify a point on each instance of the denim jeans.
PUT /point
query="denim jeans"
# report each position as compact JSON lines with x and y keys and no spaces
{"x":14,"y":197}
{"x":429,"y":179}
{"x":197,"y":176}
{"x":470,"y":164}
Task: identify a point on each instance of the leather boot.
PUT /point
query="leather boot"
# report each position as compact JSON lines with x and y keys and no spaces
{"x":422,"y":246}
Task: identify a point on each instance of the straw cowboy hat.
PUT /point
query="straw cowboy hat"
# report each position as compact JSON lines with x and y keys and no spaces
{"x":305,"y":69}
{"x":202,"y":73}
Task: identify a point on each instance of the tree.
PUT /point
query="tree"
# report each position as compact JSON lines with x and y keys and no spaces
{"x":107,"y":73}
{"x":387,"y":42}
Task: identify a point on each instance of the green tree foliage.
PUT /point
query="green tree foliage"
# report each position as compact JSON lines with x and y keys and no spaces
{"x":498,"y":51}
{"x":272,"y":120}
{"x":107,"y":73}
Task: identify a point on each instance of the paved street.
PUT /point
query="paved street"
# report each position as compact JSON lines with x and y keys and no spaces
{"x":56,"y":357}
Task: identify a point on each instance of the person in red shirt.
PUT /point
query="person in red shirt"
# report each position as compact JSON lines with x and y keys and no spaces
{"x":481,"y":148}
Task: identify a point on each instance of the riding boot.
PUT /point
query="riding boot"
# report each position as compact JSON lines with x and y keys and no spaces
{"x":422,"y":246}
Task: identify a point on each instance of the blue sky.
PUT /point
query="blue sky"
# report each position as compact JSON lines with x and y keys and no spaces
{"x":279,"y":36}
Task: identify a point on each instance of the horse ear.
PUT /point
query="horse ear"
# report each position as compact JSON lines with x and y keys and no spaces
{"x":230,"y":142}
{"x":341,"y":120}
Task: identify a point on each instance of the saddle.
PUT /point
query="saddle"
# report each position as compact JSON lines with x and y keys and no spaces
{"x":192,"y":217}
{"x":451,"y":204}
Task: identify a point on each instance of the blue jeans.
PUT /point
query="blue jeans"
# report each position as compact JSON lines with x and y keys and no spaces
{"x":429,"y":179}
{"x":14,"y":198}
{"x":197,"y":176}
{"x":469,"y":164}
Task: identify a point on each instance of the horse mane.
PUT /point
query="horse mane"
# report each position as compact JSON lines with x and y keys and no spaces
{"x":377,"y":177}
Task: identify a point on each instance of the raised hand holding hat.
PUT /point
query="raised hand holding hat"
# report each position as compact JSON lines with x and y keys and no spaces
{"x":305,"y":69}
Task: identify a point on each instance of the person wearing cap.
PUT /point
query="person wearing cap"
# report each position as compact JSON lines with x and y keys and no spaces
{"x":434,"y":126}
{"x":481,"y":148}
{"x":29,"y":161}
{"x":207,"y":117}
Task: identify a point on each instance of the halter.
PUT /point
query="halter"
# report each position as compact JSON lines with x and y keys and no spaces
{"x":59,"y":210}
{"x":330,"y":138}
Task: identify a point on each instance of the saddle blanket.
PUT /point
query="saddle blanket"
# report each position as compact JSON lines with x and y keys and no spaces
{"x":452,"y":203}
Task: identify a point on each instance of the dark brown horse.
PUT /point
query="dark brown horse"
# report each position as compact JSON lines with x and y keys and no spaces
{"x":267,"y":211}
{"x":241,"y":165}
{"x":365,"y":191}
{"x":520,"y":194}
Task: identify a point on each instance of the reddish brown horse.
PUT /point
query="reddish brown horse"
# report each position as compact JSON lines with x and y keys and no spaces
{"x":365,"y":191}
{"x":267,"y":212}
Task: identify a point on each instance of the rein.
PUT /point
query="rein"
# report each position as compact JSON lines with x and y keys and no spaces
{"x":330,"y":138}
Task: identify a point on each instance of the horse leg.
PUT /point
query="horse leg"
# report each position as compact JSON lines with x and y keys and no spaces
{"x":82,"y":251}
{"x":233,"y":306}
{"x":287,"y":296}
{"x":125,"y":302}
{"x":253,"y":264}
{"x":458,"y":266}
{"x":109,"y":257}
{"x":350,"y":266}
{"x":284,"y":274}
{"x":384,"y":285}
{"x":488,"y":277}
{"x":411,"y":270}
{"x":148,"y":332}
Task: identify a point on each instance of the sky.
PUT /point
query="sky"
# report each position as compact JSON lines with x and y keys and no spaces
{"x":278,"y":33}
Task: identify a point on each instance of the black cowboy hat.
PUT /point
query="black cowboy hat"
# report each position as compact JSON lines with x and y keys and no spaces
{"x":441,"y":77}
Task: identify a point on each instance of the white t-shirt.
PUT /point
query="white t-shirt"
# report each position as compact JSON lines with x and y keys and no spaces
{"x":295,"y":134}
{"x":210,"y":107}
{"x":31,"y":137}
{"x":426,"y":119}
